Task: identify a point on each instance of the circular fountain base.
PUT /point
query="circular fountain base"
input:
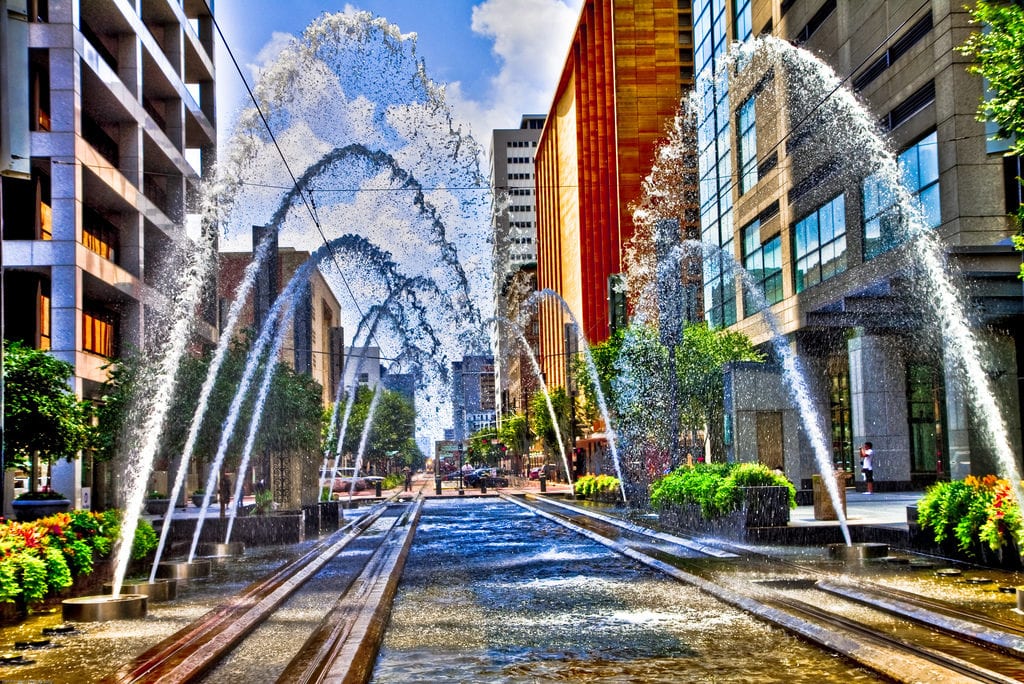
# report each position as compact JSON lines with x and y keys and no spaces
{"x":183,"y":570}
{"x":160,"y":590}
{"x":857,"y":552}
{"x":223,"y":549}
{"x":103,"y":608}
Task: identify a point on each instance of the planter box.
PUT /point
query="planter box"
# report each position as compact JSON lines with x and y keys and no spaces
{"x":26,"y":511}
{"x":197,"y":499}
{"x":157,"y":506}
{"x":761,"y":507}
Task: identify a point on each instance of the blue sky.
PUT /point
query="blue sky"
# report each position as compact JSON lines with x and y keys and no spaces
{"x":500,"y":58}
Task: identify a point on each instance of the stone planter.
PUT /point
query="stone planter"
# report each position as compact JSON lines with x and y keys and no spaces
{"x":28,"y":510}
{"x":197,"y":499}
{"x":157,"y":506}
{"x":761,"y":507}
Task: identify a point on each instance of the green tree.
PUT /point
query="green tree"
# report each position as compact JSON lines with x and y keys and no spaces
{"x":700,"y":363}
{"x":542,"y":425}
{"x":43,"y":418}
{"x":515,"y":434}
{"x":998,"y":51}
{"x":392,"y":437}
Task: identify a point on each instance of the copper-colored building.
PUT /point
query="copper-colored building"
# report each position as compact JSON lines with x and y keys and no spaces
{"x":627,"y":67}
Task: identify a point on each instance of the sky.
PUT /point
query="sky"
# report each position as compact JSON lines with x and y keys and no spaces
{"x":500,"y":59}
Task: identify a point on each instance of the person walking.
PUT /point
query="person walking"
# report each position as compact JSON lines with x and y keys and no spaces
{"x":867,"y":453}
{"x":408,"y":478}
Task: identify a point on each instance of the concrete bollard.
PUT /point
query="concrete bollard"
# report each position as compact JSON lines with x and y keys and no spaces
{"x":376,"y":487}
{"x":437,"y":486}
{"x":483,"y":487}
{"x":543,"y":483}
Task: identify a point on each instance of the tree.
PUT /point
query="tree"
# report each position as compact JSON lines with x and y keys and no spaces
{"x":392,"y":434}
{"x":42,"y":416}
{"x":542,"y":425}
{"x":515,"y":434}
{"x":998,"y":51}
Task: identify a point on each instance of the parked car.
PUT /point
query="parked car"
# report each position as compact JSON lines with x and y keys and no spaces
{"x":342,"y":484}
{"x":488,"y":477}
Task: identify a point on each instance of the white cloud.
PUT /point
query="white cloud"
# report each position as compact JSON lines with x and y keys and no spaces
{"x":531,"y":40}
{"x":269,"y":52}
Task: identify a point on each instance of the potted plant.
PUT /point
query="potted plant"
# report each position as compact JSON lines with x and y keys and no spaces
{"x":34,"y":505}
{"x":156,"y":503}
{"x":199,"y":495}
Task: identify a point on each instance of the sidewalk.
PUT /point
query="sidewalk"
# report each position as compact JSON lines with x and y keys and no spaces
{"x":888,"y":509}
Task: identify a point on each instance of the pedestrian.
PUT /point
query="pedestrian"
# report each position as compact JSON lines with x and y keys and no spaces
{"x":408,"y":478}
{"x":225,"y":493}
{"x":867,"y":453}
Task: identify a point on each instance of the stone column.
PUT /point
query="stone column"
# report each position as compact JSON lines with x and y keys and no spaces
{"x":971,"y":449}
{"x":878,"y":378}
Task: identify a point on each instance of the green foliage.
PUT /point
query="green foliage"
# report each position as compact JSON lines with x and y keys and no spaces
{"x":597,"y":487}
{"x":41,"y":412}
{"x":540,"y":418}
{"x":58,"y":575}
{"x":392,"y":480}
{"x":393,"y":431}
{"x":515,"y":433}
{"x":263,"y":502}
{"x":758,"y":475}
{"x":715,"y":487}
{"x":998,"y":51}
{"x":970,"y":511}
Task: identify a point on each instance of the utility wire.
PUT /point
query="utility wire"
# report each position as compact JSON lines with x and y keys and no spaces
{"x":309,"y":204}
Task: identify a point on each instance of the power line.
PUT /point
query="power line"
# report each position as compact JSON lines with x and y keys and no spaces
{"x":310,"y":203}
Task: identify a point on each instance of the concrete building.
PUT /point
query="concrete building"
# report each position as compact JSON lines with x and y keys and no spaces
{"x":364,"y":366}
{"x":107,"y":123}
{"x":821,"y":236}
{"x":315,"y":344}
{"x":514,"y":219}
{"x":628,"y":65}
{"x":472,"y":396}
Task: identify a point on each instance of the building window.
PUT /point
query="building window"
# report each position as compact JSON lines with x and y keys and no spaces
{"x":99,"y":235}
{"x":746,"y":149}
{"x":98,"y":333}
{"x":763,"y":261}
{"x":820,"y":240}
{"x":45,"y":336}
{"x":744,"y":24}
{"x":39,"y":89}
{"x":919,"y":167}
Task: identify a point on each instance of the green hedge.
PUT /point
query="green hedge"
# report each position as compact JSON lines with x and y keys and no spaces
{"x":591,"y":486}
{"x":715,"y":487}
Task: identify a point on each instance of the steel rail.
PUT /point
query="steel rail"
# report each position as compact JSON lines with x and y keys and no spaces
{"x":891,"y":659}
{"x":198,"y":646}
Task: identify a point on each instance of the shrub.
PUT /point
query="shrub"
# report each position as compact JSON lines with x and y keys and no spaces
{"x":715,"y":487}
{"x":957,"y":510}
{"x":392,"y":480}
{"x":970,"y":511}
{"x":591,"y":486}
{"x":42,"y":495}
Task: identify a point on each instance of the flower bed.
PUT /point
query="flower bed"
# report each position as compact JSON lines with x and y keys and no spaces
{"x":972,"y":517}
{"x":44,"y":557}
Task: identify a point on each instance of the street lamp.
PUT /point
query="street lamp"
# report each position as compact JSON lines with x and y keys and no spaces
{"x":459,"y":453}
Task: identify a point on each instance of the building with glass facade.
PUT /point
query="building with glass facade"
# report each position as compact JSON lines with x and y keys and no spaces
{"x":818,"y":231}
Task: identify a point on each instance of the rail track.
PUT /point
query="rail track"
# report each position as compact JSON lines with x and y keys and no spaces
{"x":901,"y":635}
{"x":341,"y":647}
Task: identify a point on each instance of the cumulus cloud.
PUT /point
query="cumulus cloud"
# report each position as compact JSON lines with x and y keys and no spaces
{"x":531,"y":39}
